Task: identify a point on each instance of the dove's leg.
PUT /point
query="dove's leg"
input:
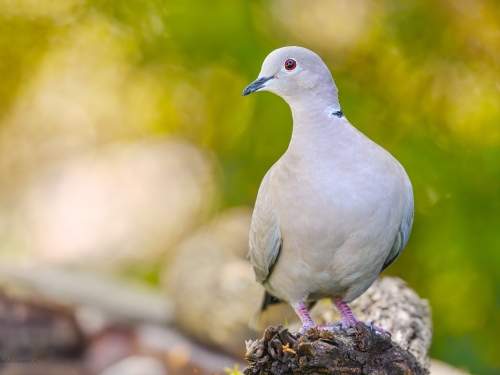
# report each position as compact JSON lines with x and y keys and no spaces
{"x":307,"y":322}
{"x":347,"y":317}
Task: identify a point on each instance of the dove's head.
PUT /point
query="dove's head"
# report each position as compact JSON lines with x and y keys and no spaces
{"x":295,"y":73}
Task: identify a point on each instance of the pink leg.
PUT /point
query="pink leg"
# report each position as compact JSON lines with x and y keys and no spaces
{"x":307,"y":322}
{"x":347,"y":317}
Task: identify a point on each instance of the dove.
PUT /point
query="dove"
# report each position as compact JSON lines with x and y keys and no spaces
{"x":336,"y":209}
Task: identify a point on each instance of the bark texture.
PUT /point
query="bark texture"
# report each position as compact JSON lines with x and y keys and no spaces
{"x":359,"y":350}
{"x":389,"y":303}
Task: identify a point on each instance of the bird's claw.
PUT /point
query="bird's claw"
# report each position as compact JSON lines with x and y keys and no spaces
{"x":377,"y":329}
{"x":306,"y":327}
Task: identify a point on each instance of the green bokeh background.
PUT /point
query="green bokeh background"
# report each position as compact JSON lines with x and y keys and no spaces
{"x":421,"y":78}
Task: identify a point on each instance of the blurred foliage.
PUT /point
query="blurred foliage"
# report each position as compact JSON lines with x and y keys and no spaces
{"x":418,"y":77}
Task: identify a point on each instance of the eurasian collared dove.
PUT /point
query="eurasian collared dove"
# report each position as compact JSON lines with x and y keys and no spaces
{"x":336,"y":209}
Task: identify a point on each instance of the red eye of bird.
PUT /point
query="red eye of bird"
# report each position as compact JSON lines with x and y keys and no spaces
{"x":290,"y":64}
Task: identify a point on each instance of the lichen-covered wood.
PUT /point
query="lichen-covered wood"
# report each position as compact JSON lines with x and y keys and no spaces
{"x":391,"y":304}
{"x":358,"y":350}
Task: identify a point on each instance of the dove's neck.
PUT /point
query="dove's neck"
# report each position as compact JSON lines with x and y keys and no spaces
{"x":317,"y":122}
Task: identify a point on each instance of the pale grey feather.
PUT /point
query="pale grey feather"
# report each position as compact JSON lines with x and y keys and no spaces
{"x":265,"y":237}
{"x":401,"y":237}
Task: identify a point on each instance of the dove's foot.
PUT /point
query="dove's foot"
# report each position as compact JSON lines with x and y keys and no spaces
{"x":303,"y":313}
{"x":306,"y":327}
{"x":376,"y":328}
{"x":347,"y":317}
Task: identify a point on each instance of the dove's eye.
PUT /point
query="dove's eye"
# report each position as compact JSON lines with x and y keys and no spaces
{"x":290,"y":64}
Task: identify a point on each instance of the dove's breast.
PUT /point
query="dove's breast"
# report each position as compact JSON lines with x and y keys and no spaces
{"x":338,"y":212}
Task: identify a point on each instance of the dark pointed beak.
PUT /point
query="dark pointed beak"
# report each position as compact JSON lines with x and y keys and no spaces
{"x":256,"y":85}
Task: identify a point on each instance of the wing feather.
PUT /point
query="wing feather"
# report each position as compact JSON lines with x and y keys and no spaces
{"x":402,"y":236}
{"x":265,"y":237}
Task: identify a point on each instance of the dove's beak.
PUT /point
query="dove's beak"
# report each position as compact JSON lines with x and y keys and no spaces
{"x":256,"y":85}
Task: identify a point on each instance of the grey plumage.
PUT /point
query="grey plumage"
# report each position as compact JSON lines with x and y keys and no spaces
{"x":336,"y":209}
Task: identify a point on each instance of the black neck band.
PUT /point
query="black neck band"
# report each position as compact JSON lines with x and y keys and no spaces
{"x":338,"y":113}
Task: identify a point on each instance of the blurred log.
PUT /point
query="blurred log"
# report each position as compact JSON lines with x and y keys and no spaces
{"x":360,"y":350}
{"x":108,"y":319}
{"x":36,"y":327}
{"x":129,"y":301}
{"x":38,"y":336}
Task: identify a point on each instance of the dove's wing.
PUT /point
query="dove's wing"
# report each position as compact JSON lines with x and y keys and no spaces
{"x":403,"y":234}
{"x":265,"y":237}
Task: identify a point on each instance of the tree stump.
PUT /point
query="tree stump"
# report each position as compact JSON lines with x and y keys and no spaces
{"x":359,"y":350}
{"x":390,"y":303}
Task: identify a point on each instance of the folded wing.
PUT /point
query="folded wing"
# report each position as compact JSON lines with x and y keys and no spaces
{"x":402,"y":236}
{"x":265,"y":237}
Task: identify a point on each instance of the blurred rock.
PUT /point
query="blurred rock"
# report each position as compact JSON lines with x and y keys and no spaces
{"x":121,"y":203}
{"x":34,"y":327}
{"x":182,"y":355}
{"x":38,"y":335}
{"x":212,"y":284}
{"x":109,"y":346}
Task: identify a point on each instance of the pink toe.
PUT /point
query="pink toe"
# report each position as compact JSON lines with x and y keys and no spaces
{"x":306,"y":327}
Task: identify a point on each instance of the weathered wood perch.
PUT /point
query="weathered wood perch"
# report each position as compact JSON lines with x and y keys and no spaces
{"x":360,"y":350}
{"x":389,"y":303}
